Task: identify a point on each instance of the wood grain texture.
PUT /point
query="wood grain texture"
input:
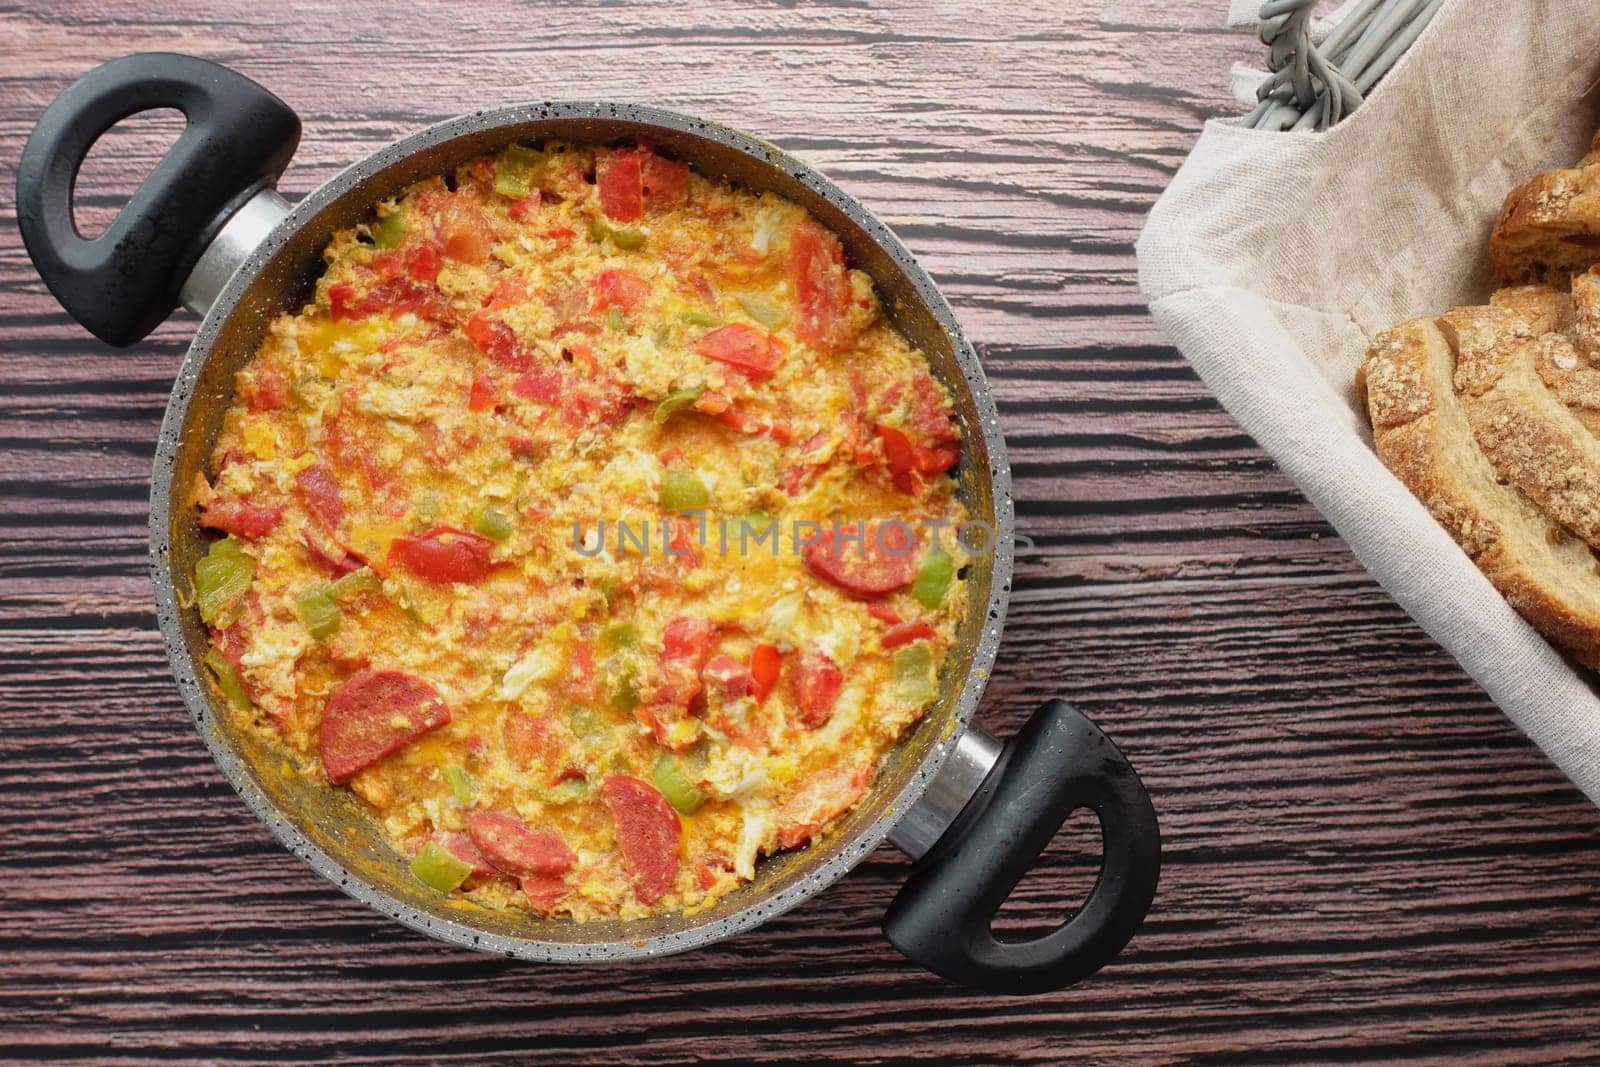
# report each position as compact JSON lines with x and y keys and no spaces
{"x":1364,"y":860}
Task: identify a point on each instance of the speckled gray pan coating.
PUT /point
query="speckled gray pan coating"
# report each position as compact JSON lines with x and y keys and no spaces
{"x":328,"y":828}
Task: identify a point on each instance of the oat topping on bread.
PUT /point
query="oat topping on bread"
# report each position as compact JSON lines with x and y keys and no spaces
{"x":1549,"y":227}
{"x":1423,"y":435}
{"x":1532,"y":439}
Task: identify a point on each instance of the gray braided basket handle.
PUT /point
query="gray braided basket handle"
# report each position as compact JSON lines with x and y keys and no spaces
{"x":1315,"y":84}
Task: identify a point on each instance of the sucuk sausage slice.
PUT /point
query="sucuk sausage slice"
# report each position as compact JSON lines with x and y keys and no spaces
{"x":814,"y":687}
{"x":649,"y":830}
{"x":864,"y":567}
{"x":508,"y":844}
{"x":444,"y":554}
{"x":375,"y":714}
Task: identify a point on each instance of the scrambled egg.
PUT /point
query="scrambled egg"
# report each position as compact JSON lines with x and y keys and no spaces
{"x":556,"y":529}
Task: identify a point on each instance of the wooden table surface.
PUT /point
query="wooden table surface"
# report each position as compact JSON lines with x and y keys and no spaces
{"x":1364,"y":860}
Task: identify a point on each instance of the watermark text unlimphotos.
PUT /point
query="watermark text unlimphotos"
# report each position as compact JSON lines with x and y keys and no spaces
{"x":748,"y":536}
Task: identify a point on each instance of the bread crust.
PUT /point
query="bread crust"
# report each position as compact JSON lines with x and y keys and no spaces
{"x":1533,"y":440}
{"x":1566,"y":329}
{"x":1423,"y":434}
{"x":1549,"y":227}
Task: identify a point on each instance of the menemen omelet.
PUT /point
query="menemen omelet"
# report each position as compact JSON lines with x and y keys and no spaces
{"x":592,"y":524}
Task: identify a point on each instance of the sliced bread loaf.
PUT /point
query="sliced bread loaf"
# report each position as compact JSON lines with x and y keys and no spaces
{"x":1532,"y":439}
{"x":1549,"y":226}
{"x":1423,"y":435}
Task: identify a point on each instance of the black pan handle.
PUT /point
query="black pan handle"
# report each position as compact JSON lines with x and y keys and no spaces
{"x":1057,"y":763}
{"x":237,"y":142}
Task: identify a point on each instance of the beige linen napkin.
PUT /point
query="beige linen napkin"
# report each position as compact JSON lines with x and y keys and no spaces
{"x":1273,"y":257}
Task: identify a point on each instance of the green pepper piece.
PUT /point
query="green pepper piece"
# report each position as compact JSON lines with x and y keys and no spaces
{"x":608,"y":589}
{"x":763,"y":311}
{"x":221,"y":578}
{"x":757,"y":519}
{"x":460,"y":783}
{"x":680,"y":792}
{"x":436,"y":867}
{"x":318,"y":612}
{"x":675,"y":402}
{"x":914,"y":678}
{"x":492,"y":524}
{"x":227,"y":679}
{"x":614,"y":317}
{"x":230,"y":615}
{"x":934,"y":576}
{"x":621,"y":635}
{"x":511,"y":171}
{"x":624,"y":684}
{"x":628,"y":240}
{"x":587,"y":723}
{"x":354,"y":584}
{"x":565,"y":792}
{"x":696,"y":317}
{"x":682,"y":490}
{"x":388,"y":231}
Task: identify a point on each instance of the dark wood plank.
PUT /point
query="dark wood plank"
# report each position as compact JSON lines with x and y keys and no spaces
{"x":1364,"y":859}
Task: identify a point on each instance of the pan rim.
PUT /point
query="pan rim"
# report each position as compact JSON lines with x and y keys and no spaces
{"x":844,"y":855}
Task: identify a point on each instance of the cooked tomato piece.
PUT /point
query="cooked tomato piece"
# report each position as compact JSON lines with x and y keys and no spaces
{"x":741,"y":421}
{"x":731,"y":679}
{"x":521,"y":209}
{"x":482,"y":395}
{"x":765,"y":664}
{"x":620,"y":182}
{"x":884,"y":613}
{"x":821,"y":286}
{"x":320,"y":495}
{"x":936,"y":460}
{"x":648,"y":831}
{"x":422,"y":261}
{"x":907,"y":460}
{"x":686,"y":644}
{"x":495,"y":339}
{"x":535,"y":741}
{"x":711,"y":870}
{"x":465,"y":234}
{"x":901,"y":457}
{"x":373,"y":715}
{"x":508,"y":844}
{"x":742,"y":346}
{"x":814,"y":686}
{"x":580,"y":672}
{"x":417,"y":258}
{"x":394,"y":296}
{"x":444,"y":554}
{"x":930,"y":414}
{"x":267,"y":391}
{"x":665,"y":721}
{"x":510,"y":290}
{"x":663,"y":181}
{"x":712,"y":402}
{"x":908,"y":632}
{"x":250,"y":521}
{"x":615,"y":287}
{"x":869,"y":561}
{"x":540,"y":384}
{"x":817,"y":801}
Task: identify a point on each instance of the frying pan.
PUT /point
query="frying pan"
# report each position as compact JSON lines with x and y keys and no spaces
{"x":206,"y":229}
